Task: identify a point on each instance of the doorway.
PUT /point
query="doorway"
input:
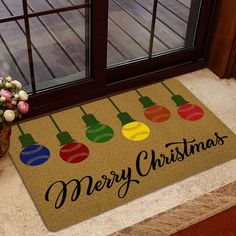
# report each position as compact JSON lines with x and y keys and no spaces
{"x":68,"y":51}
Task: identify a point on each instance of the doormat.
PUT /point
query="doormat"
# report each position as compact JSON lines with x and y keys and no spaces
{"x":88,"y":159}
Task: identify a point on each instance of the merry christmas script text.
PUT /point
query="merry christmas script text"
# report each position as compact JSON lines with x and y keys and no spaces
{"x":146,"y":161}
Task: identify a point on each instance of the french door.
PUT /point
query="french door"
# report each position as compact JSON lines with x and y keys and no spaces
{"x":70,"y":51}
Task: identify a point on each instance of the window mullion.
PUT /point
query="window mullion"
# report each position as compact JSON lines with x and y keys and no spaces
{"x":99,"y":28}
{"x":29,"y":46}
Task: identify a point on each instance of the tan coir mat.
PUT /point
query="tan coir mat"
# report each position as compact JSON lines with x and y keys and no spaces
{"x":83,"y":161}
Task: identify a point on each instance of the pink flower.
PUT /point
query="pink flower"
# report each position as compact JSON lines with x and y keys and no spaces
{"x":13,"y":102}
{"x":23,"y":107}
{"x":5,"y":94}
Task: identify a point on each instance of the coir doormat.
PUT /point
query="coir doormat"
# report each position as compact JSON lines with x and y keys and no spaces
{"x":83,"y":161}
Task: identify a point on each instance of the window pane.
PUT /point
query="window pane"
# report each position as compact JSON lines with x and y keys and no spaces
{"x":39,"y":5}
{"x":10,"y":8}
{"x":127,"y":38}
{"x":13,"y":53}
{"x":58,"y":42}
{"x":141,"y":29}
{"x":174,"y":25}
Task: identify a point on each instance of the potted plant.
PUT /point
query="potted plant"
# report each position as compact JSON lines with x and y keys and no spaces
{"x":12,"y":105}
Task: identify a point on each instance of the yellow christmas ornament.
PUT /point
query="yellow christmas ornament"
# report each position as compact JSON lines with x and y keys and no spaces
{"x":136,"y":131}
{"x":131,"y":129}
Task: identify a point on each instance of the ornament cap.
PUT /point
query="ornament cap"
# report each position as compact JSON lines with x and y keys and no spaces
{"x":90,"y":120}
{"x":64,"y":138}
{"x":27,"y":140}
{"x":125,"y":118}
{"x":179,"y":100}
{"x":146,"y":101}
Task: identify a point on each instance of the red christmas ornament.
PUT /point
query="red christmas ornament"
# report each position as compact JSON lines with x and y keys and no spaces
{"x":187,"y":110}
{"x":190,"y":112}
{"x":74,"y":152}
{"x":70,"y":151}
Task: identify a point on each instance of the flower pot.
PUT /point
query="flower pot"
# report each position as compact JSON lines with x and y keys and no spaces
{"x":5,"y":134}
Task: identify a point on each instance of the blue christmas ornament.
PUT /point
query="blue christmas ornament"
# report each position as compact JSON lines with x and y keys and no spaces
{"x":32,"y":154}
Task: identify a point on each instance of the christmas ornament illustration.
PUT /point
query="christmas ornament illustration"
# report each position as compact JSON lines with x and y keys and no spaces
{"x":131,"y":129}
{"x":70,"y":151}
{"x":32,"y":154}
{"x":153,"y":112}
{"x":96,"y":131}
{"x":185,"y":109}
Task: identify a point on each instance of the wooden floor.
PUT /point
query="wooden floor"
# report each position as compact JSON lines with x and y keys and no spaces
{"x":58,"y":40}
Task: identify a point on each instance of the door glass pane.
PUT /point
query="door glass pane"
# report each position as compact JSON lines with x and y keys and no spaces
{"x":141,"y":29}
{"x":39,"y":5}
{"x":58,"y":44}
{"x":45,"y":50}
{"x":13,"y":53}
{"x":10,"y":8}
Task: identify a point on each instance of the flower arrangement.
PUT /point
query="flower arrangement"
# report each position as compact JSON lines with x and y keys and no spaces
{"x":12,"y":101}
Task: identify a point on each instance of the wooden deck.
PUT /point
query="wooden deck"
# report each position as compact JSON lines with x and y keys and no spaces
{"x":58,"y":40}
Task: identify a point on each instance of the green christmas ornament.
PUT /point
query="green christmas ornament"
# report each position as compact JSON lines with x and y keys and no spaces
{"x":96,"y":131}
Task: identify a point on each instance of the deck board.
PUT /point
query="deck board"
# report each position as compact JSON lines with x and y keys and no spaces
{"x":176,"y":8}
{"x":13,"y":69}
{"x":162,"y":32}
{"x":51,"y":52}
{"x":63,"y":40}
{"x":127,"y":47}
{"x":166,"y":17}
{"x":60,"y":49}
{"x":42,"y":52}
{"x":15,"y":40}
{"x":186,"y":3}
{"x":75,"y":19}
{"x":133,"y":28}
{"x":15,"y":6}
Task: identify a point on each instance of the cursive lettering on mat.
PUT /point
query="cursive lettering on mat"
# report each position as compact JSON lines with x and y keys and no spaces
{"x":145,"y":163}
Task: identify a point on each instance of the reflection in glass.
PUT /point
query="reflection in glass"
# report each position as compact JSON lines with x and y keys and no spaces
{"x":59,"y":44}
{"x":13,"y":53}
{"x":141,"y":29}
{"x":10,"y":8}
{"x":39,"y":5}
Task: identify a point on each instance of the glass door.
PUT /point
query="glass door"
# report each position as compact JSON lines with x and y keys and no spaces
{"x":70,"y":51}
{"x":143,"y":29}
{"x":148,"y":35}
{"x":45,"y":44}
